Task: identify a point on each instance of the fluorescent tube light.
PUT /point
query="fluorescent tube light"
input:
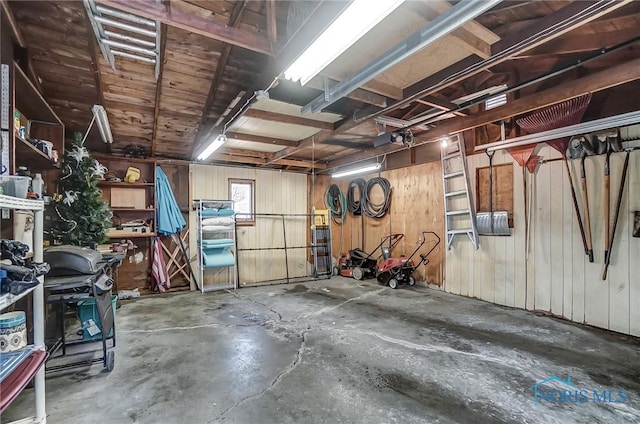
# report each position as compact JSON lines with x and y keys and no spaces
{"x":215,"y":145}
{"x":100,"y":116}
{"x":361,"y":170}
{"x":354,"y":22}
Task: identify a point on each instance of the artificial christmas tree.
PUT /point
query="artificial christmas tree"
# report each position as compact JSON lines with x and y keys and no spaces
{"x":80,"y":215}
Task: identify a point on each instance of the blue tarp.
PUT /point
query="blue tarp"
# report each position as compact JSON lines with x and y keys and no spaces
{"x":169,"y":218}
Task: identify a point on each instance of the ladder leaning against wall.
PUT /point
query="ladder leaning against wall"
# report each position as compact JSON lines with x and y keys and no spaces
{"x":460,"y":214}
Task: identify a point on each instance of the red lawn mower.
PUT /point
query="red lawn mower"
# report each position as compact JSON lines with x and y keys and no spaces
{"x":360,"y":264}
{"x":396,"y":271}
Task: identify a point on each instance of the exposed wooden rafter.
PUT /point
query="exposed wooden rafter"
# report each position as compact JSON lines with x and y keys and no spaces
{"x":15,"y":28}
{"x":234,"y":20}
{"x":475,"y":37}
{"x":272,"y":24}
{"x":19,"y":39}
{"x":288,"y":119}
{"x":156,"y":109}
{"x":261,"y":158}
{"x":358,"y":94}
{"x":262,"y":139}
{"x":580,"y":43}
{"x":206,"y":27}
{"x":621,"y":74}
{"x":344,"y":126}
{"x":513,"y":44}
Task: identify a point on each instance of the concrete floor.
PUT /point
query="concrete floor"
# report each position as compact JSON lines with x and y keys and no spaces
{"x":340,"y":351}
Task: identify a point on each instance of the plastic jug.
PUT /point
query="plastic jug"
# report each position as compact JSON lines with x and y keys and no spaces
{"x":37,"y":185}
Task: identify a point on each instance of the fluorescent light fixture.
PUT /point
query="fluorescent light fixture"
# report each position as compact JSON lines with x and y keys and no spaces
{"x":215,"y":145}
{"x":354,"y":22}
{"x":100,"y":116}
{"x":368,"y":168}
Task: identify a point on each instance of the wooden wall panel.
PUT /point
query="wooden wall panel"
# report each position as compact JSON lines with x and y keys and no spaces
{"x":275,"y":193}
{"x":416,"y":206}
{"x":556,"y":277}
{"x":634,"y":247}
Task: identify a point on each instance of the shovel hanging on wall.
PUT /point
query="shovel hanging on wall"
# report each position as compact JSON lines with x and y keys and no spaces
{"x":492,"y":223}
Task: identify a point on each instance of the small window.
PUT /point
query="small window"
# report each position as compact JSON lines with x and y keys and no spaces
{"x":243,"y":194}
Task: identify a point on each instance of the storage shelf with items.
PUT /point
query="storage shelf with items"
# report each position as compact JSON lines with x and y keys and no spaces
{"x":38,"y":133}
{"x":216,"y":245}
{"x":129,"y":188}
{"x":20,"y":366}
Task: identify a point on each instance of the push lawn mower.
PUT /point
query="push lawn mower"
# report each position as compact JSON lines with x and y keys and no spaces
{"x":360,"y":264}
{"x":396,"y":271}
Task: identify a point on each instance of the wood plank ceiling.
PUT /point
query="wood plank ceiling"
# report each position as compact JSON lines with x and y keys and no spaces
{"x":214,"y":54}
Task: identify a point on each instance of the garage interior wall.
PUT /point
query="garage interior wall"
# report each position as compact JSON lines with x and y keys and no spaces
{"x":557,"y":276}
{"x":416,"y":206}
{"x":275,"y":192}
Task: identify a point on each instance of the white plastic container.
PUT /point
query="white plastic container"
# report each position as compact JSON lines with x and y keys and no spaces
{"x":16,"y":186}
{"x":37,"y":184}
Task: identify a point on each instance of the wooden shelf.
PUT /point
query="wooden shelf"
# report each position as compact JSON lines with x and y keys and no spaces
{"x":30,"y":102}
{"x":120,"y":235}
{"x":124,"y":184}
{"x":36,"y":159}
{"x":132,"y":210}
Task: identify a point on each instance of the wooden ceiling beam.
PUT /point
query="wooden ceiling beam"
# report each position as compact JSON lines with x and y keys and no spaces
{"x":13,"y":24}
{"x":287,"y":119}
{"x":206,"y":27}
{"x":95,"y":66}
{"x":580,"y":43}
{"x":234,"y":20}
{"x":475,"y":37}
{"x":262,"y":139}
{"x":229,"y":155}
{"x":301,"y":163}
{"x":272,"y":23}
{"x":343,"y":126}
{"x":435,"y":102}
{"x":156,"y":108}
{"x":19,"y":39}
{"x":621,"y":74}
{"x":383,"y":89}
{"x":359,"y":94}
{"x":244,"y":152}
{"x":434,"y":83}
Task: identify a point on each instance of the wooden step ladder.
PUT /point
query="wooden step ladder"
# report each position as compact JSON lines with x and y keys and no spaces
{"x":460,"y":214}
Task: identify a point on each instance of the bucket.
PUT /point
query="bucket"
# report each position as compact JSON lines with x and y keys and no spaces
{"x":13,"y":331}
{"x":87,"y":312}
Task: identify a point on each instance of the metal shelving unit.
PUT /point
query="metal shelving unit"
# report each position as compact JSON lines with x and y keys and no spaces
{"x":39,"y":350}
{"x":208,"y":234}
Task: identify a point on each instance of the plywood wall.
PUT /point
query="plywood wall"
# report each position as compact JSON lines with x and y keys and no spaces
{"x":555,"y":275}
{"x":416,"y":206}
{"x":275,"y":193}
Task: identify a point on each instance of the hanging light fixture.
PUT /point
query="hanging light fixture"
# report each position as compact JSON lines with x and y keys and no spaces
{"x":215,"y":145}
{"x":101,"y":119}
{"x":360,"y":170}
{"x":354,"y":22}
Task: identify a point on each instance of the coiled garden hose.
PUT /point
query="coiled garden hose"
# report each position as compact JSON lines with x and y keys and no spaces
{"x":376,"y":210}
{"x":336,"y":203}
{"x":355,"y":206}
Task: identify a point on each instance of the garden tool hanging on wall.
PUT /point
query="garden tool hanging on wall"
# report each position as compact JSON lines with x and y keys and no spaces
{"x":625,"y":168}
{"x":528,"y":161}
{"x":581,"y":147}
{"x":607,"y":143}
{"x":492,"y":223}
{"x":563,"y":114}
